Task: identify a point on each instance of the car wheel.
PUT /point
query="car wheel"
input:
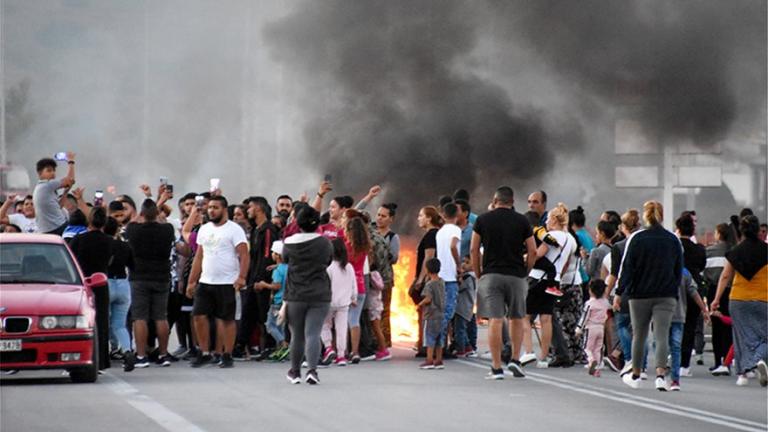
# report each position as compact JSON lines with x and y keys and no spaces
{"x":88,"y":374}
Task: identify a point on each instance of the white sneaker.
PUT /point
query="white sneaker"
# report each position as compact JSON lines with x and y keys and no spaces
{"x":661,"y":384}
{"x":627,"y":369}
{"x":762,"y":373}
{"x":527,"y":358}
{"x":742,"y":381}
{"x":542,"y":364}
{"x":644,"y":376}
{"x":751,"y":374}
{"x":486,"y":356}
{"x":720,"y":371}
{"x":685,"y":372}
{"x":634,"y":383}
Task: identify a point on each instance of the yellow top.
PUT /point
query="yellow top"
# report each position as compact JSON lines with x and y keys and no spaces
{"x":751,"y":290}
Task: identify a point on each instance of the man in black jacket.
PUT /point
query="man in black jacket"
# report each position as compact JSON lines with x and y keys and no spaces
{"x":256,"y":302}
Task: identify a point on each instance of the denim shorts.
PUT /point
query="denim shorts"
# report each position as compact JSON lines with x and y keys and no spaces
{"x":433,"y":332}
{"x":356,"y":311}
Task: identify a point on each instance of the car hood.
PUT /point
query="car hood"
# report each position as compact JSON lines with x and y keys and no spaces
{"x":40,"y":299}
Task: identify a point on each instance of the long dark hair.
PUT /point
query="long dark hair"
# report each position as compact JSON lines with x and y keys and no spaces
{"x":357,"y":235}
{"x":340,"y":253}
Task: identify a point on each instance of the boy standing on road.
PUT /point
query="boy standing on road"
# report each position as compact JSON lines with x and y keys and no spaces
{"x":434,"y":312}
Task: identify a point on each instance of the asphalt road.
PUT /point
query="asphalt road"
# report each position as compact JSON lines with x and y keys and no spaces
{"x":386,"y":396}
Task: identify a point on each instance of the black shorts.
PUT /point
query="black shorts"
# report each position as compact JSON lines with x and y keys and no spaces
{"x":538,"y":301}
{"x":216,"y":300}
{"x":149,"y":300}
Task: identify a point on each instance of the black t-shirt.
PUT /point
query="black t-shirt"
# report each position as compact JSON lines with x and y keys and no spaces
{"x":122,"y":257}
{"x":151,"y":243}
{"x":695,"y":258}
{"x":93,"y":250}
{"x":503,"y":233}
{"x":429,"y":241}
{"x":262,"y":238}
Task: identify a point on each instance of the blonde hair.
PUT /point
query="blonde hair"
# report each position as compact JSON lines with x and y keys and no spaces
{"x":560,"y":213}
{"x":631,"y":220}
{"x":653,"y":213}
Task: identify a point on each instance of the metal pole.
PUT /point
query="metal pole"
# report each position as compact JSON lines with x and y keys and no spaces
{"x":2,"y":86}
{"x":668,"y":200}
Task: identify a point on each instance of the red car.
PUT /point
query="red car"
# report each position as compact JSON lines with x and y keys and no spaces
{"x":47,"y":315}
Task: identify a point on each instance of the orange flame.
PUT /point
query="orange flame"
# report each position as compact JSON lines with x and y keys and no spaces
{"x":404,"y":317}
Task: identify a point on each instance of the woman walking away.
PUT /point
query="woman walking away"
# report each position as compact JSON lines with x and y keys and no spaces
{"x":722,"y":336}
{"x":746,"y":271}
{"x":307,"y":293}
{"x":650,"y":276}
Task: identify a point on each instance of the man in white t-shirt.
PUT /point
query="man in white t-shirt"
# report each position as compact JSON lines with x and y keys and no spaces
{"x":448,"y":240}
{"x":220,"y":267}
{"x":24,"y":220}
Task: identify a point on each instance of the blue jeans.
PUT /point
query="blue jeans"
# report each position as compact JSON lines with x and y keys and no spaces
{"x":624,"y":329}
{"x":451,"y":295}
{"x":356,"y":311}
{"x":464,"y":333}
{"x":119,"y":303}
{"x":675,"y":344}
{"x":273,"y":328}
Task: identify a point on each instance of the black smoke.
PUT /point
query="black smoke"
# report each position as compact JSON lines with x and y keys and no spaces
{"x":683,"y":64}
{"x":392,"y":105}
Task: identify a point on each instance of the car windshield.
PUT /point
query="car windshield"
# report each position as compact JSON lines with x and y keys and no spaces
{"x":37,"y":263}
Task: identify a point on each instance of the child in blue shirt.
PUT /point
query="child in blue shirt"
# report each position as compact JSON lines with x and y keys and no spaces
{"x":274,"y":326}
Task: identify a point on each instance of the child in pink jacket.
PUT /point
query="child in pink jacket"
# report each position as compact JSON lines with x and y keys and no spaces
{"x":592,"y":323}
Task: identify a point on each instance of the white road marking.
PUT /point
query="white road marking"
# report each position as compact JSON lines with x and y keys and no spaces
{"x":626,"y":398}
{"x":161,"y":415}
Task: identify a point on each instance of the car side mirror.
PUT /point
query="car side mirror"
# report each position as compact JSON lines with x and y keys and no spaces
{"x":96,"y":280}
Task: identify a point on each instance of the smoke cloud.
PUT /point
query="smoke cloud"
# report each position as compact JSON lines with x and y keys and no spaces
{"x":405,"y":111}
{"x":682,"y":63}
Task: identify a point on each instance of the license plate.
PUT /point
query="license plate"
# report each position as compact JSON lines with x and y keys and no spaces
{"x":10,"y":345}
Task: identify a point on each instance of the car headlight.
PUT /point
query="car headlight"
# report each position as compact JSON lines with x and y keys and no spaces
{"x":63,"y":322}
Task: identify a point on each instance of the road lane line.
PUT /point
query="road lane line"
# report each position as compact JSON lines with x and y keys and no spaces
{"x":161,"y":415}
{"x":657,"y":406}
{"x":645,"y":399}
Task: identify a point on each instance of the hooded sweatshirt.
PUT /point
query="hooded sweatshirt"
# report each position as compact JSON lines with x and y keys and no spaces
{"x":308,"y":256}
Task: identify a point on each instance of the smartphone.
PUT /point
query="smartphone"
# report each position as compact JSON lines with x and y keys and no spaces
{"x":199,"y":200}
{"x":164,"y":181}
{"x":98,"y":198}
{"x":215,"y":184}
{"x":61,"y":156}
{"x":169,"y":188}
{"x":328,"y":178}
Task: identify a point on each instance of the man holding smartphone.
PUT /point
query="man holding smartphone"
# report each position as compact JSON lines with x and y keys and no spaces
{"x":49,"y":216}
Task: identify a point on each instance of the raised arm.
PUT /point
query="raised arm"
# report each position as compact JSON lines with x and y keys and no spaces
{"x":324,"y":188}
{"x":372,"y":193}
{"x":4,"y":208}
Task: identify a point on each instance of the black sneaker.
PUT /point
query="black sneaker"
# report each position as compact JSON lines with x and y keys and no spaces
{"x":191,"y":354}
{"x":238,"y":354}
{"x":141,"y":362}
{"x":226,"y":361}
{"x":216,"y":358}
{"x":312,"y":377}
{"x":154,"y":355}
{"x":293,"y":377}
{"x":129,"y":361}
{"x":116,"y":354}
{"x":516,"y":368}
{"x":164,"y":360}
{"x":495,"y":374}
{"x":201,"y":360}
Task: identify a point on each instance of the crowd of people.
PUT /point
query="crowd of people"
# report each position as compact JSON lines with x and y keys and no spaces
{"x":311,"y":282}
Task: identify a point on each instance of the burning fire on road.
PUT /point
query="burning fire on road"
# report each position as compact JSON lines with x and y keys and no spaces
{"x":404,"y":317}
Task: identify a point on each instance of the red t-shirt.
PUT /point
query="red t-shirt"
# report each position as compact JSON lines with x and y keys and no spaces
{"x":331,"y":232}
{"x":358,"y":262}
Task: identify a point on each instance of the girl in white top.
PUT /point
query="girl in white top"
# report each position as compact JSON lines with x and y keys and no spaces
{"x":343,"y":294}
